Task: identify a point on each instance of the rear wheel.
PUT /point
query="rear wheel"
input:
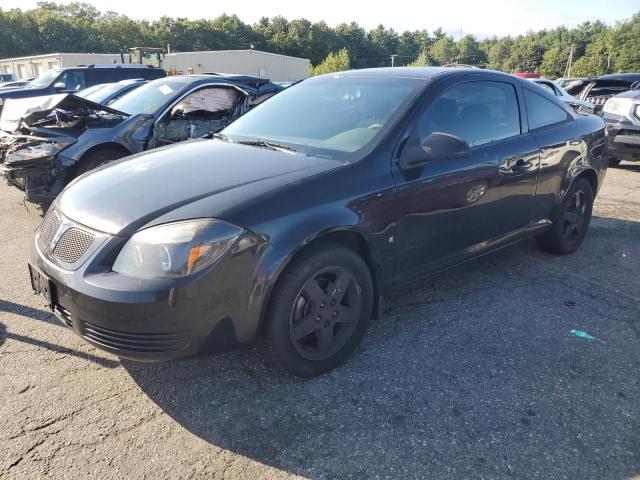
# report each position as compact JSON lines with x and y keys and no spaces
{"x":572,"y":222}
{"x":614,"y":162}
{"x":319,"y":311}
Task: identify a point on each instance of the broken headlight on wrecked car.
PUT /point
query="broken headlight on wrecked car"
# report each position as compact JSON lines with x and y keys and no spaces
{"x":33,"y":151}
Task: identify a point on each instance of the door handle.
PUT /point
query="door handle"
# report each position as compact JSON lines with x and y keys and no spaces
{"x":521,"y":166}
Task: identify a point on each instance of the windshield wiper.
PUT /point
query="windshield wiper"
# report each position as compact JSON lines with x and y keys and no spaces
{"x":266,"y":144}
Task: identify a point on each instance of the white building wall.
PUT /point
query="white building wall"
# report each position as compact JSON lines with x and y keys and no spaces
{"x":75,"y":59}
{"x":279,"y":68}
{"x":36,"y":64}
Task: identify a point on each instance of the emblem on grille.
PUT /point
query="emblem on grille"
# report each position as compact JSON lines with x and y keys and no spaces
{"x":62,"y":240}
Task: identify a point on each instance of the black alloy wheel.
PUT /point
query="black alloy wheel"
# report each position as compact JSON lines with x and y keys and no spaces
{"x":572,"y":221}
{"x":325,"y":312}
{"x":574,"y":217}
{"x":319,"y":310}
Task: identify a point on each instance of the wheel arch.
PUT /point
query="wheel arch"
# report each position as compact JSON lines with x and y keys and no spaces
{"x":341,"y":236}
{"x":102,"y":147}
{"x":591,"y":176}
{"x":76,"y":167}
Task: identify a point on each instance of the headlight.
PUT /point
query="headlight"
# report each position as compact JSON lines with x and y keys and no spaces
{"x":636,"y":112}
{"x":39,"y":150}
{"x":618,"y":106}
{"x":176,"y":249}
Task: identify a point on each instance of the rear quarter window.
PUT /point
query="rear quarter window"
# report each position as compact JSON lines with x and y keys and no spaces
{"x":543,"y":111}
{"x":151,"y":74}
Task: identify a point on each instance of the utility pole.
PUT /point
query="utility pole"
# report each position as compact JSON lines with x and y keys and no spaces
{"x":393,"y":58}
{"x":567,"y":70}
{"x":611,"y":37}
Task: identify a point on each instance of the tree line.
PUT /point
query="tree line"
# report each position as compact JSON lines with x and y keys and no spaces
{"x":79,"y":27}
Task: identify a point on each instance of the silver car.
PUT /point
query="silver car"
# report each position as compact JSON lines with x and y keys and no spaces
{"x":558,"y":91}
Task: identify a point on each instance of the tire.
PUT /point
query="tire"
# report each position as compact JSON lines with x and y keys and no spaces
{"x":614,"y":162}
{"x":311,"y":326}
{"x":569,"y":227}
{"x":95,"y":159}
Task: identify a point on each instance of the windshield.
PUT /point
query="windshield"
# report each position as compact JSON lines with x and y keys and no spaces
{"x":45,"y":79}
{"x":331,"y":116}
{"x":148,"y":98}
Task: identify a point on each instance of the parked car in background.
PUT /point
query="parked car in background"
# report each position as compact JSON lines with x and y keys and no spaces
{"x":109,"y":92}
{"x":64,"y":136}
{"x":599,"y":90}
{"x":7,"y":77}
{"x":558,"y":91}
{"x":527,"y":75}
{"x":17,"y":83}
{"x":565,"y":81}
{"x":293,"y":221}
{"x":622,"y":114}
{"x":72,"y":80}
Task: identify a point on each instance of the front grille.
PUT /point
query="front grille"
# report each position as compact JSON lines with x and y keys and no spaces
{"x":72,"y":245}
{"x":134,"y":342}
{"x":49,"y":228}
{"x":599,"y":100}
{"x":629,"y":133}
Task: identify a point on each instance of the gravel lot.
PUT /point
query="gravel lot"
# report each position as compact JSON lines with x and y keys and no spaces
{"x":473,"y":374}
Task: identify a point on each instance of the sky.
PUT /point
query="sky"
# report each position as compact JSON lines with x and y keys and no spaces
{"x":480,"y":17}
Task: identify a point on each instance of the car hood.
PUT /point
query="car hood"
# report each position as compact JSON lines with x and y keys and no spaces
{"x":126,"y":195}
{"x":8,"y":92}
{"x":32,"y":109}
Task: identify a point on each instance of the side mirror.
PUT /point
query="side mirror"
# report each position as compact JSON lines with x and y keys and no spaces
{"x":444,"y":146}
{"x":59,"y":86}
{"x":437,"y":146}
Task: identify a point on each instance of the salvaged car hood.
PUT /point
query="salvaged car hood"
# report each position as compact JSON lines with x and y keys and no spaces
{"x":32,"y":109}
{"x":126,"y":195}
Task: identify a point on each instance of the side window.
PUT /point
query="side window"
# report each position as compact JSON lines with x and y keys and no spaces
{"x":73,"y":80}
{"x":478,"y":112}
{"x":203,"y":111}
{"x":118,"y":74}
{"x":110,"y":75}
{"x":542,"y":111}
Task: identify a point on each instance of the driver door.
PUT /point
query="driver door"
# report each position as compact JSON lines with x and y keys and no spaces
{"x":452,"y":209}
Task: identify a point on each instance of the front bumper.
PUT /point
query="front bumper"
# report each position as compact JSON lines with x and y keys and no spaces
{"x":156,"y":320}
{"x":624,"y":141}
{"x":40,"y":179}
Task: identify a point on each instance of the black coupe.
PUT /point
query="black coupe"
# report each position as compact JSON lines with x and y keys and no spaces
{"x":293,"y":221}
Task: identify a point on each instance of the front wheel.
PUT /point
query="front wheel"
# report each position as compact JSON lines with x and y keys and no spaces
{"x":319,"y":311}
{"x":572,"y":222}
{"x":614,"y":162}
{"x":95,"y":159}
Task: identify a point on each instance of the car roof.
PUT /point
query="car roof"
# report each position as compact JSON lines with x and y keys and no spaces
{"x":424,"y":73}
{"x":631,"y":77}
{"x":114,"y":66}
{"x":218,"y":78}
{"x":131,"y":81}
